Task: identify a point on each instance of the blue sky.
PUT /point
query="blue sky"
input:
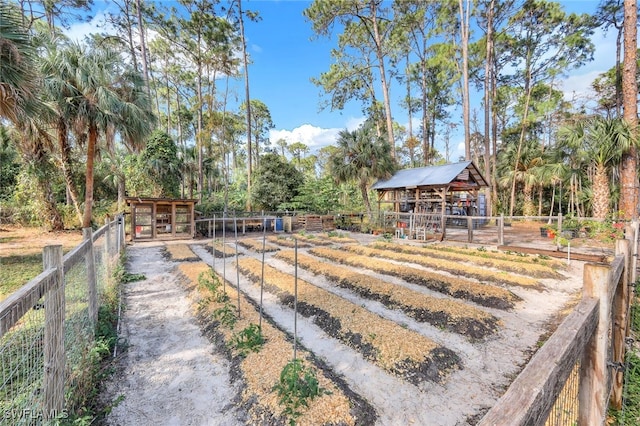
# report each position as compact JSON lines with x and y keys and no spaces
{"x":284,"y":58}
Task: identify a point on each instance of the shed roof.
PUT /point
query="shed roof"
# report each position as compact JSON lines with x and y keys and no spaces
{"x":433,"y":176}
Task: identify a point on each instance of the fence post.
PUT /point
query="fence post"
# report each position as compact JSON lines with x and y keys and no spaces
{"x":593,"y":366}
{"x":620,"y":306}
{"x":54,"y":354}
{"x":107,"y":240}
{"x":501,"y":230}
{"x":123,"y":233}
{"x":89,"y":261}
{"x":470,"y":229}
{"x":559,"y":223}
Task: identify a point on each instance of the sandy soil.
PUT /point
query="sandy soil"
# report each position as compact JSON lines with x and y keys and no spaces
{"x":170,"y":374}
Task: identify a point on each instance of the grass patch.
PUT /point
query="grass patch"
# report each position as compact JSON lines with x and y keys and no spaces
{"x":17,"y":270}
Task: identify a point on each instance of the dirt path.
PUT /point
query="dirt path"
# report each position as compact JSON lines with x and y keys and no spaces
{"x":169,"y":374}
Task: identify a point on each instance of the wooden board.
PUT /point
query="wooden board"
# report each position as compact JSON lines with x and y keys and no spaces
{"x":555,"y":253}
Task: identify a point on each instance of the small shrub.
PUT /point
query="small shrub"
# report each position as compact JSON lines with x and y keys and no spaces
{"x":226,"y":315}
{"x":297,"y":386}
{"x":248,"y":340}
{"x":209,"y":281}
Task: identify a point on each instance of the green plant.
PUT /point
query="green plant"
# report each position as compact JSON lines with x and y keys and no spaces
{"x":561,"y":241}
{"x":387,"y":237}
{"x":226,"y":315}
{"x":248,"y":340}
{"x":129,"y":278}
{"x":210,"y":281}
{"x":297,"y":386}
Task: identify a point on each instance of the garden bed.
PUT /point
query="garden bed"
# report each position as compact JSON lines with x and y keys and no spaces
{"x":257,"y":246}
{"x":483,"y":294}
{"x":451,"y":315}
{"x":259,"y":371}
{"x":393,"y":348}
{"x":493,"y":259}
{"x":481,"y":274}
{"x":286,"y":241}
{"x":180,"y":253}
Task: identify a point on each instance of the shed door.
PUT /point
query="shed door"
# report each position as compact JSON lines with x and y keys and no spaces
{"x":142,"y":221}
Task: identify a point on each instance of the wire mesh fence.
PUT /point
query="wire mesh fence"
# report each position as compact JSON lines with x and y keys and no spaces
{"x":565,"y":410}
{"x":47,"y":331}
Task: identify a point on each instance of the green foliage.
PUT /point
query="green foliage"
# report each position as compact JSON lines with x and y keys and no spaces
{"x":226,"y":315}
{"x":317,"y":195}
{"x":248,"y":340}
{"x":297,"y":386}
{"x":161,"y":158}
{"x":9,"y":164}
{"x":138,"y":182}
{"x":276,"y":182}
{"x":211,"y":282}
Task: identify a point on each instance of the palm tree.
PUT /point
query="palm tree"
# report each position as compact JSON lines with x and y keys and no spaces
{"x":106,"y":98}
{"x":58,"y":67}
{"x":606,"y":140}
{"x":361,"y":156}
{"x":526,"y":170}
{"x":18,"y":81}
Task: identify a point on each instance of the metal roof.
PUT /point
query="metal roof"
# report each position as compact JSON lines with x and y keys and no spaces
{"x":430,"y":176}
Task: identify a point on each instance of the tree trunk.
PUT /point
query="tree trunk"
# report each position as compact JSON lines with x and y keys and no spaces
{"x":121,"y":193}
{"x":53,"y":218}
{"x":88,"y":196}
{"x":487,"y":109}
{"x":523,"y":132}
{"x":464,"y":36}
{"x":247,"y":100}
{"x":383,"y":81}
{"x":600,"y":193}
{"x":66,"y":166}
{"x":629,"y":166}
{"x":528,"y":208}
{"x":365,"y":198}
{"x":143,"y":47}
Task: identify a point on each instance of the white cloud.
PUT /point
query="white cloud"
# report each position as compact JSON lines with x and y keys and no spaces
{"x":79,"y":30}
{"x":312,"y":136}
{"x":354,"y":122}
{"x":578,"y":84}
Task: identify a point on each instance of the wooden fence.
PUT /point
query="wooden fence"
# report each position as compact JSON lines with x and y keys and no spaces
{"x":593,"y":336}
{"x":37,"y":348}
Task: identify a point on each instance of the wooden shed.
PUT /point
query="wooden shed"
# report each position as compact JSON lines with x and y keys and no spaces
{"x":433,"y":189}
{"x":161,"y":218}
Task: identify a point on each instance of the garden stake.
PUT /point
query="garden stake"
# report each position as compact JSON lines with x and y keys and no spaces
{"x":213,"y":246}
{"x":235,"y":226}
{"x":264,"y":237}
{"x":224,"y":255}
{"x":295,"y":298}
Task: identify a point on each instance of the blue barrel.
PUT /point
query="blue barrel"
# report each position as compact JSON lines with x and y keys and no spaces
{"x":267,"y":224}
{"x":279,"y":225}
